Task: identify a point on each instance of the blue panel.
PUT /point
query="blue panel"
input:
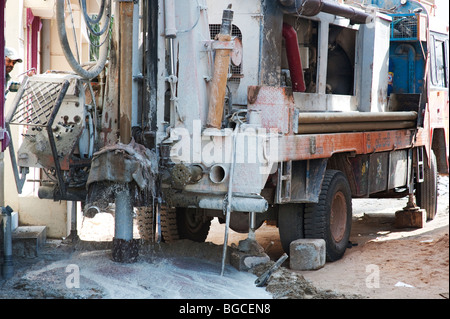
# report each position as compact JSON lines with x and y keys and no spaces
{"x":407,"y":66}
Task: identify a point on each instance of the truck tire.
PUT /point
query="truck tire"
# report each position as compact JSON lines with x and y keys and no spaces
{"x":145,"y":223}
{"x":183,"y":223}
{"x":331,"y":218}
{"x":426,"y":192}
{"x":290,"y":224}
{"x":169,"y":229}
{"x":192,"y":225}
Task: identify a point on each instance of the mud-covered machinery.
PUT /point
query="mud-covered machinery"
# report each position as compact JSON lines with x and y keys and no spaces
{"x":250,"y":111}
{"x":284,"y":111}
{"x":57,"y":119}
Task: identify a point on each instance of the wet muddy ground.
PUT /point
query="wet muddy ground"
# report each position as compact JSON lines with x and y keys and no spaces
{"x":384,"y":262}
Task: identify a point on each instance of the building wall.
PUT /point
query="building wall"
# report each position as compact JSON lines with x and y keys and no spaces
{"x":32,"y":210}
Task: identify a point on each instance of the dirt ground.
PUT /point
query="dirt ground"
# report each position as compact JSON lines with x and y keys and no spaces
{"x":383,"y":263}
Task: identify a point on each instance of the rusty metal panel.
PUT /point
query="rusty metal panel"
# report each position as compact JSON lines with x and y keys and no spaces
{"x":360,"y":168}
{"x":398,"y":169}
{"x":276,"y":106}
{"x":306,"y":180}
{"x":378,"y":172}
{"x":300,"y":147}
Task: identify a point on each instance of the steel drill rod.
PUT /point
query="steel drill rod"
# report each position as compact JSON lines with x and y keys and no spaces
{"x":353,"y":127}
{"x":342,"y":117}
{"x":230,"y":198}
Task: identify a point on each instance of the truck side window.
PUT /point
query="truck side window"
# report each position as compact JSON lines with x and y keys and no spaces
{"x":438,"y":64}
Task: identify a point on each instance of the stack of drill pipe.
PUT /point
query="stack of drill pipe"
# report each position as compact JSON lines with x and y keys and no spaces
{"x":337,"y":122}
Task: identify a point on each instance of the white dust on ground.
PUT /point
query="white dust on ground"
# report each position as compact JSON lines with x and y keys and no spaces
{"x":384,"y":263}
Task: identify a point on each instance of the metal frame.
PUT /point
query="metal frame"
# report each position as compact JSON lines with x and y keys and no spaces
{"x":20,"y":179}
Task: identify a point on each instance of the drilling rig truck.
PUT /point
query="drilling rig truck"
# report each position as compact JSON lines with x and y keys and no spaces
{"x":251,"y":111}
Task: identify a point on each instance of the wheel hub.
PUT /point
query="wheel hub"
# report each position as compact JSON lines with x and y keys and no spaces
{"x":338,"y":218}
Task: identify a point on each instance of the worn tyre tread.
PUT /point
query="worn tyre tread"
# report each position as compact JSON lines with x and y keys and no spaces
{"x":316,"y":215}
{"x":145,"y":223}
{"x":290,"y":224}
{"x":426,"y":192}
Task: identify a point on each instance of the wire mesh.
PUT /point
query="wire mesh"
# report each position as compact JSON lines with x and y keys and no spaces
{"x":37,"y":103}
{"x":404,"y":27}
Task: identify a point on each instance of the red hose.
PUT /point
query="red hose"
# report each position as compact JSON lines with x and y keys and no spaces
{"x":293,"y":57}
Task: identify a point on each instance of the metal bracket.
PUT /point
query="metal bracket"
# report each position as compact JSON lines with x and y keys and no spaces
{"x":20,"y":177}
{"x":419,"y":161}
{"x":284,"y":182}
{"x":211,"y":45}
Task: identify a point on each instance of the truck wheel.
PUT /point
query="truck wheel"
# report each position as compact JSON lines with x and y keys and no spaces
{"x":426,"y":192}
{"x":290,"y":224}
{"x":145,"y":223}
{"x":331,"y":218}
{"x":192,"y":224}
{"x":183,"y":223}
{"x":169,"y":229}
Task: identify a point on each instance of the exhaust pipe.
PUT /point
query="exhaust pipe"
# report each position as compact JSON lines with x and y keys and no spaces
{"x":219,"y":81}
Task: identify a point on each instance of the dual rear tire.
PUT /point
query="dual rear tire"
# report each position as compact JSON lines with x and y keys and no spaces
{"x":176,"y":224}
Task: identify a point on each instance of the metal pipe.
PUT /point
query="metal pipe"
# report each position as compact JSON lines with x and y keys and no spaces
{"x":314,"y":7}
{"x":252,"y":223}
{"x":170,"y":31}
{"x":169,"y":15}
{"x":8,"y":266}
{"x":73,"y":221}
{"x":239,"y":204}
{"x":294,"y":59}
{"x":350,"y":127}
{"x":220,"y":77}
{"x":71,"y":194}
{"x":346,"y":117}
{"x":125,"y":249}
{"x":229,"y":199}
{"x":123,"y":228}
{"x":355,"y":16}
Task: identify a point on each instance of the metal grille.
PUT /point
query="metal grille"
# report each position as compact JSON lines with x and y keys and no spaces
{"x":214,"y":30}
{"x":404,"y":27}
{"x":36,"y":104}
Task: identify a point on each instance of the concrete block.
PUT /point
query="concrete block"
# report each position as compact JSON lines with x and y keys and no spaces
{"x":244,"y":261}
{"x":307,"y":254}
{"x":28,"y":240}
